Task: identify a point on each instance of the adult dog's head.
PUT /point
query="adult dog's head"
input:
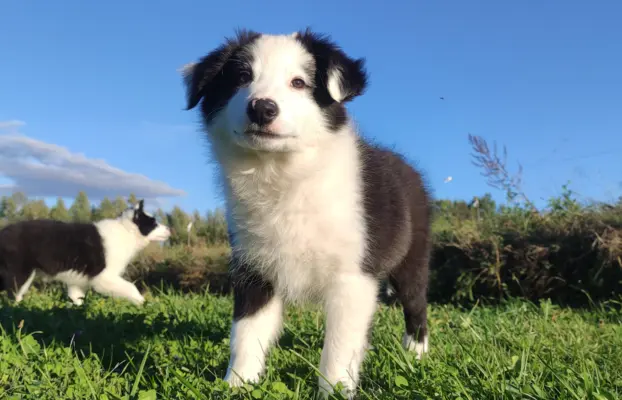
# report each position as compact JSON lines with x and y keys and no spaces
{"x":276,"y":93}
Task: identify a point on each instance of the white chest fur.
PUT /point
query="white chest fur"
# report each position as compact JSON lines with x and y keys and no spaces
{"x":120,"y":244}
{"x":298,"y":219}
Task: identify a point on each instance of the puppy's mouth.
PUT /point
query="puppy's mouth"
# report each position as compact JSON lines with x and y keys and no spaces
{"x":264,"y":134}
{"x":160,"y":237}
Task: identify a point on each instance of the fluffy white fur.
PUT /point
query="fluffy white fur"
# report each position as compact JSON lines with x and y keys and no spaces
{"x":122,"y":241}
{"x":251,"y":338}
{"x":19,"y":296}
{"x":311,"y":246}
{"x":295,"y":208}
{"x":283,"y":211}
{"x":279,"y":59}
{"x":334,"y":85}
{"x":410,"y":343}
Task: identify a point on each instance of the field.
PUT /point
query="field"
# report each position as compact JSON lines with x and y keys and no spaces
{"x":176,"y":347}
{"x":525,"y":304}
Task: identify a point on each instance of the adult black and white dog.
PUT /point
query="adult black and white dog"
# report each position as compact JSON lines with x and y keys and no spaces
{"x":315,"y":211}
{"x":81,"y":255}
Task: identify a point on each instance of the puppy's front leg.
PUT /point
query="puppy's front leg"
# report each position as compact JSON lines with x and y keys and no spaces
{"x":257,"y":322}
{"x":116,"y":286}
{"x":350,"y":305}
{"x":76,"y":293}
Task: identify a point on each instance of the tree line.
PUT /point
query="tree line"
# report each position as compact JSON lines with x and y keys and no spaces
{"x":209,"y":228}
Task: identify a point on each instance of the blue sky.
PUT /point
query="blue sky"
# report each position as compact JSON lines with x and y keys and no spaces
{"x":541,"y":77}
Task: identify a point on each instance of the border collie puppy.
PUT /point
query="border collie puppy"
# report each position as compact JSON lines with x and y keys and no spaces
{"x":81,"y":255}
{"x":315,"y":212}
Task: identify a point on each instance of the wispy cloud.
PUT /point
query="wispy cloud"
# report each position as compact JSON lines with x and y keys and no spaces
{"x":43,"y":169}
{"x":11,"y":124}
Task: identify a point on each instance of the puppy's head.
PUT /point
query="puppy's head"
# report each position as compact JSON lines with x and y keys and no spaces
{"x":145,"y":223}
{"x":277,"y":93}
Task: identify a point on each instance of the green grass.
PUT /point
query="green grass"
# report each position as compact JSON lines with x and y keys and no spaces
{"x":176,"y":347}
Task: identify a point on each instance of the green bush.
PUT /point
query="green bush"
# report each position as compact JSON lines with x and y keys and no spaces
{"x":570,"y":254}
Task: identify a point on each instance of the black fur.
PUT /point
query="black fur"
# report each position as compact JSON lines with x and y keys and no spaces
{"x":144,"y":222}
{"x":251,"y":291}
{"x":51,"y":247}
{"x":218,"y":74}
{"x":327,"y":56}
{"x":398,"y":217}
{"x":397,"y":204}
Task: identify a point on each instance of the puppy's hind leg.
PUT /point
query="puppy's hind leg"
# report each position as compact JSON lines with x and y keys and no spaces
{"x":20,"y":283}
{"x":410,"y":280}
{"x":15,"y":276}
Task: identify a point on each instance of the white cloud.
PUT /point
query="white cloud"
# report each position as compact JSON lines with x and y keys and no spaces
{"x":47,"y":170}
{"x":11,"y":124}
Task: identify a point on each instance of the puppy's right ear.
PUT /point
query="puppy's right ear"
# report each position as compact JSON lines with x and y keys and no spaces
{"x":199,"y":76}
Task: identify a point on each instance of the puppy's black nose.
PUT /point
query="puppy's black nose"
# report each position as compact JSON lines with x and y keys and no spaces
{"x":262,"y":111}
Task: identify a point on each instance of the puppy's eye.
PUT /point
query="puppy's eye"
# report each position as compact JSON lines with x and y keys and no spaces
{"x":244,"y":77}
{"x":298,"y":83}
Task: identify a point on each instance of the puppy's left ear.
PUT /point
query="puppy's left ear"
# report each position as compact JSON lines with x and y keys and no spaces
{"x":344,"y":78}
{"x":347,"y":78}
{"x":141,"y":204}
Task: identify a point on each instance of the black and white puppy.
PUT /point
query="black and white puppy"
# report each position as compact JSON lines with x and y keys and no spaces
{"x":81,"y":255}
{"x":315,"y":211}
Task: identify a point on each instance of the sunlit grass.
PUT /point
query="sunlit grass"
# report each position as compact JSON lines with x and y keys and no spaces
{"x":176,"y":347}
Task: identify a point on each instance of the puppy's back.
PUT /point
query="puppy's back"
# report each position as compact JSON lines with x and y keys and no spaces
{"x":52,"y":246}
{"x":397,"y":206}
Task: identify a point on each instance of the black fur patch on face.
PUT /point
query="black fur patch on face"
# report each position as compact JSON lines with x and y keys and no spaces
{"x":217,"y":76}
{"x":328,"y":56}
{"x":145,"y":223}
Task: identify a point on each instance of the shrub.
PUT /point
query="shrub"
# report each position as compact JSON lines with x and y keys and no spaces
{"x":571,"y":255}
